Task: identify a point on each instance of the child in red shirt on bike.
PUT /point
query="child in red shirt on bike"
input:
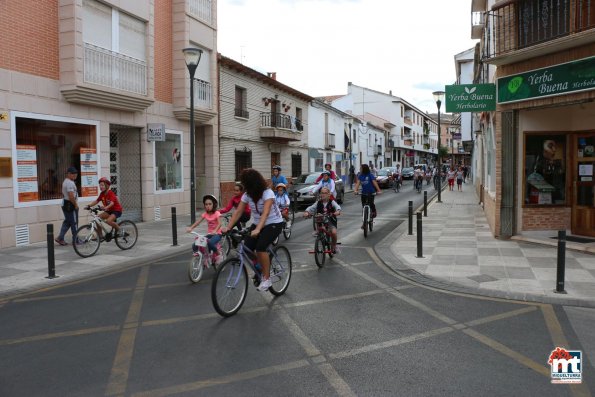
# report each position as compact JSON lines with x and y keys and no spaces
{"x":238,"y":191}
{"x":111,"y":207}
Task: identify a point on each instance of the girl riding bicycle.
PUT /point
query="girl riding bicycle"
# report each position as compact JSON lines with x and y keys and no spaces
{"x":268,"y":222}
{"x":238,"y":191}
{"x":112,"y":209}
{"x":282,"y":201}
{"x":213,"y":218}
{"x":326,"y":206}
{"x":369,"y":186}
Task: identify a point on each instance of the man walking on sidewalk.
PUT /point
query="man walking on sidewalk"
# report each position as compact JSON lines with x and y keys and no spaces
{"x":70,"y":207}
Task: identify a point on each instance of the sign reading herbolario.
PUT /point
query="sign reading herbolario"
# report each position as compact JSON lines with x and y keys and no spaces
{"x":470,"y":98}
{"x":554,"y":80}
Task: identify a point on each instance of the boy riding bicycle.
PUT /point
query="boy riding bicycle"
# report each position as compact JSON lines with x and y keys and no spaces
{"x":111,"y":207}
{"x":326,"y":206}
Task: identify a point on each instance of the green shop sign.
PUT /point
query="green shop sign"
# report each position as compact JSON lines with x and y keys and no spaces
{"x":470,"y":98}
{"x":554,"y":80}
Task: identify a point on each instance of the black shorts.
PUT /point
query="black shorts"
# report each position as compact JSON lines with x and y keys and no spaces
{"x":116,"y":213}
{"x":265,"y":238}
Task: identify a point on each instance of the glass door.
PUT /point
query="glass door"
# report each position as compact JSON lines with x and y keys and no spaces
{"x":583,"y":206}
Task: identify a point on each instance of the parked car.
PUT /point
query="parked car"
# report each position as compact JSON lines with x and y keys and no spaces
{"x":383,"y":178}
{"x":407,"y":173}
{"x":305,"y":188}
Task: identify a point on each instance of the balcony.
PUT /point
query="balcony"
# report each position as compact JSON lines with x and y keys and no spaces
{"x":203,"y":103}
{"x":201,"y":10}
{"x":110,"y":79}
{"x":523,"y":29}
{"x":408,"y":120}
{"x":329,"y":141}
{"x":279,"y":127}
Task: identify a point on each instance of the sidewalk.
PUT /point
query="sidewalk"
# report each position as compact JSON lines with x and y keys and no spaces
{"x":460,"y":254}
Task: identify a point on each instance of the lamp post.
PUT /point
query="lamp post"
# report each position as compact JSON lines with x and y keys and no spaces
{"x":439,"y":97}
{"x":192,"y":58}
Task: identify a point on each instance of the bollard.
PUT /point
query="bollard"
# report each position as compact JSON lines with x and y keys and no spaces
{"x":420,"y":247}
{"x":425,"y":203}
{"x":561,"y":262}
{"x":174,"y":227}
{"x":410,"y":218}
{"x":51,"y":261}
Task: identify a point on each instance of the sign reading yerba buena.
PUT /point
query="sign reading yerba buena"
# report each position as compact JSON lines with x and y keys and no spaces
{"x":554,"y":80}
{"x":470,"y":98}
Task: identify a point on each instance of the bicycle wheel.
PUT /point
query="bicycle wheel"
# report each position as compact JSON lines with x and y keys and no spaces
{"x":127,"y":236}
{"x":225,"y":245}
{"x":319,"y":247}
{"x":86,"y":242}
{"x":329,"y":249}
{"x":371,"y":224}
{"x":281,"y":268}
{"x":229,"y":287}
{"x":196,"y":268}
{"x":366,"y":217}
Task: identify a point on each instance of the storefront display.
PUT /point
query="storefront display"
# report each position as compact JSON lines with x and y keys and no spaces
{"x":545,"y":169}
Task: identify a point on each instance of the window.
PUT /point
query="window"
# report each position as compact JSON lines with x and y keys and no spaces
{"x":240,"y":103}
{"x":318,"y":162}
{"x":545,"y":169}
{"x":296,"y":165}
{"x":298,"y":119}
{"x":168,"y":163}
{"x":43,"y":148}
{"x":243,"y":161}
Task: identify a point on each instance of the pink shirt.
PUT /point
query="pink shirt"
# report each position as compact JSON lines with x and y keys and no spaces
{"x":212,"y":221}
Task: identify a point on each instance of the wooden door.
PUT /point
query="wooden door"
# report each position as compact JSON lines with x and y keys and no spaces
{"x":583,"y":184}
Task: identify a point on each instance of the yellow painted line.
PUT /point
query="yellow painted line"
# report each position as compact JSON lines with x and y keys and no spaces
{"x":173,"y":320}
{"x":55,"y":335}
{"x":391,"y":343}
{"x":193,"y":386}
{"x":73,"y":295}
{"x":499,"y":347}
{"x":501,"y":316}
{"x":336,"y":381}
{"x":121,"y":366}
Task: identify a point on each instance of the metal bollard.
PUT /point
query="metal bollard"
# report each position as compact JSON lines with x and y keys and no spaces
{"x":420,"y":247}
{"x":174,"y":227}
{"x":410,"y":218}
{"x":425,"y":203}
{"x":51,"y":261}
{"x":561,"y":262}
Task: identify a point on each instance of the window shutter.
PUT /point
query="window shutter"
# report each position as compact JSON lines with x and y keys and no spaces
{"x":97,"y":24}
{"x":132,"y":37}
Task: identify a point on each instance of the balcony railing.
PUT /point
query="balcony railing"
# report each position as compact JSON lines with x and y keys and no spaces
{"x":203,"y":94}
{"x":277,"y":120}
{"x":114,"y":70}
{"x":201,"y":9}
{"x":243,"y":113}
{"x":520,"y":24}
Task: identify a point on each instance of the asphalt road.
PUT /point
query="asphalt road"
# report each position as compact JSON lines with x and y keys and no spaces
{"x":352,"y":328}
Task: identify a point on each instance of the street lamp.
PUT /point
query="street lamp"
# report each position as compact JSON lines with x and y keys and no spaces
{"x":439,"y":97}
{"x":192,"y":58}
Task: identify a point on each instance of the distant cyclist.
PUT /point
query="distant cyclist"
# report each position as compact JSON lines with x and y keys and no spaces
{"x":238,"y":191}
{"x":277,"y":178}
{"x":327,"y":206}
{"x":327,"y":182}
{"x":369,"y":186}
{"x":327,"y":167}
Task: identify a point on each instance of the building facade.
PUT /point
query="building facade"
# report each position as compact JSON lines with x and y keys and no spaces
{"x":103,"y":86}
{"x":543,"y":130}
{"x":263,"y":123}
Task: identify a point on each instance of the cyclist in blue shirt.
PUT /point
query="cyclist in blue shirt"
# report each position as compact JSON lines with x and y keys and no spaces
{"x":369,"y":186}
{"x":277,"y":178}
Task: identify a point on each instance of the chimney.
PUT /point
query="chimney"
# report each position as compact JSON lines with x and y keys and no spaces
{"x":272,"y":75}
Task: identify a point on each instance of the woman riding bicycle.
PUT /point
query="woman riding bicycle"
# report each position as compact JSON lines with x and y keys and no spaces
{"x":267,"y":219}
{"x":369,"y":186}
{"x":112,"y":209}
{"x":326,"y":206}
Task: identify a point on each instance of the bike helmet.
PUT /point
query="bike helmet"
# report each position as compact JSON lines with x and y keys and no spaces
{"x":212,"y":198}
{"x":105,"y":180}
{"x":277,"y":167}
{"x":326,"y":173}
{"x":281,"y":185}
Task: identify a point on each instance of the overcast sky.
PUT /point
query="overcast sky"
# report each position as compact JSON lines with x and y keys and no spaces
{"x":318,"y":46}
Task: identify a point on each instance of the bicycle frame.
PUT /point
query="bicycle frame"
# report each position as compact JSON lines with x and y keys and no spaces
{"x":322,"y":229}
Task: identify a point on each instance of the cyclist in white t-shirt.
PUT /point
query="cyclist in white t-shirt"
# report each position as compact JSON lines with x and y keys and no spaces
{"x":267,"y":221}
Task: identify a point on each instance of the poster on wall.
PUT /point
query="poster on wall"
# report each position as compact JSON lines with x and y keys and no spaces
{"x":88,"y":172}
{"x":27,"y":173}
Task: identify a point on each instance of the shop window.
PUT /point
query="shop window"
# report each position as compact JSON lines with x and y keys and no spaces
{"x":545,"y":169}
{"x":168,"y":163}
{"x":44,"y":149}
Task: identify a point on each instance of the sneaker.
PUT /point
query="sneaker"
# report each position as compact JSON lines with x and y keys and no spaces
{"x":61,"y":242}
{"x":264,"y":285}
